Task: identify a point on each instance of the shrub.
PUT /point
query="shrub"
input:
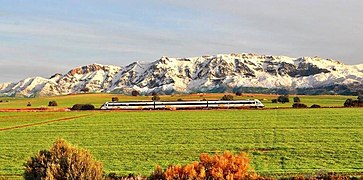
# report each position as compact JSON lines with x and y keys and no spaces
{"x":114,"y":99}
{"x":85,"y":90}
{"x":155,"y":98}
{"x":238,"y":93}
{"x":274,"y":101}
{"x":299,"y":105}
{"x":325,"y":176}
{"x":52,"y":103}
{"x":348,"y":103}
{"x":353,"y":103}
{"x":360,"y":99}
{"x":225,"y":166}
{"x":283,"y":99}
{"x":227,"y":98}
{"x":135,"y":93}
{"x":29,"y":104}
{"x":296,"y":99}
{"x":83,"y":107}
{"x":179,"y":99}
{"x":315,"y":106}
{"x":63,"y":161}
{"x":114,"y":176}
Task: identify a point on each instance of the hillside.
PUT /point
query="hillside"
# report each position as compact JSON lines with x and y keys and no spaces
{"x":218,"y":73}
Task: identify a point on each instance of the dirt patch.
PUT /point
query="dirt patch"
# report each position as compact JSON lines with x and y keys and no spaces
{"x":34,"y":109}
{"x":44,"y":122}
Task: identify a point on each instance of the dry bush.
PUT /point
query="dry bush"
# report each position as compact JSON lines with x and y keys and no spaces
{"x":63,"y":161}
{"x":225,"y":166}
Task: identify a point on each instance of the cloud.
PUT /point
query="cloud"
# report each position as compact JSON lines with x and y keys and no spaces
{"x":329,"y":28}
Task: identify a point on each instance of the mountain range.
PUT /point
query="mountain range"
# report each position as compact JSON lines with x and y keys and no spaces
{"x":244,"y":72}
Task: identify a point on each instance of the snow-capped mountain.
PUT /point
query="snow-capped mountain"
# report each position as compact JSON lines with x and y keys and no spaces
{"x":218,"y":73}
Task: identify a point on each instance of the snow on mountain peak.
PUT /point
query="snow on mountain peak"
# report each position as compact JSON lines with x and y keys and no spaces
{"x":211,"y":73}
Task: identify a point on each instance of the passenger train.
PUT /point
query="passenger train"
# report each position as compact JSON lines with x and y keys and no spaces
{"x":183,"y":104}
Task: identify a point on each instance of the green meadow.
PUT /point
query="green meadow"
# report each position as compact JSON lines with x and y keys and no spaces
{"x":278,"y":141}
{"x":99,"y":99}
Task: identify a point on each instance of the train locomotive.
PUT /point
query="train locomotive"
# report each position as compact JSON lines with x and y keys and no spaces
{"x":254,"y":103}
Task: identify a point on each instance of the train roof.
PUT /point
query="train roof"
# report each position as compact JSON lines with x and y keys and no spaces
{"x":184,"y":101}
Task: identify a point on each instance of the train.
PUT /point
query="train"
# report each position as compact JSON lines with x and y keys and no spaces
{"x":173,"y":105}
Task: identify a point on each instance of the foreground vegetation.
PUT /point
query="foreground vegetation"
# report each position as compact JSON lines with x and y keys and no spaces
{"x":64,"y":161}
{"x":281,"y":141}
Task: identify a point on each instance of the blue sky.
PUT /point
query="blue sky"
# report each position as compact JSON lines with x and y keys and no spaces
{"x":43,"y":37}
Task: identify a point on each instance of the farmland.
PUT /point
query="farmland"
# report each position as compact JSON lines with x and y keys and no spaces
{"x":278,"y":141}
{"x":99,"y":99}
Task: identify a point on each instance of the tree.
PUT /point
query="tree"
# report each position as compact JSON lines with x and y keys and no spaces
{"x":239,"y":93}
{"x":29,"y":104}
{"x":348,"y":103}
{"x":114,"y":99}
{"x":154,"y":93}
{"x":52,"y":103}
{"x":283,"y":99}
{"x":360,"y":98}
{"x":227,"y":98}
{"x":155,"y":98}
{"x":135,"y":93}
{"x":296,"y":99}
{"x":85,"y":90}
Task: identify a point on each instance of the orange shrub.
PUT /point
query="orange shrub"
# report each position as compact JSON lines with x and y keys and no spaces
{"x":225,"y":166}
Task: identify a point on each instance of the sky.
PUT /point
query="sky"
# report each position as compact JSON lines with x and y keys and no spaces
{"x":44,"y":37}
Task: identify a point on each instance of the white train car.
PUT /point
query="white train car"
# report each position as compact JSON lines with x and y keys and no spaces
{"x":255,"y":103}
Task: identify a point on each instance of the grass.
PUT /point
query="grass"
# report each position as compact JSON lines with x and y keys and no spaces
{"x":278,"y":141}
{"x":99,"y":99}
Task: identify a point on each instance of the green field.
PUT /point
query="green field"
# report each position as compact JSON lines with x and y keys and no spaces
{"x":278,"y":141}
{"x":99,"y":99}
